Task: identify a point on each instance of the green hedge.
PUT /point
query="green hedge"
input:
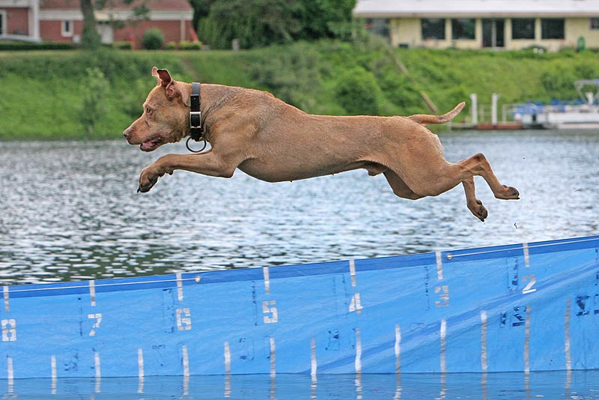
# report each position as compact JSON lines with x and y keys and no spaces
{"x":17,"y":46}
{"x":327,"y":77}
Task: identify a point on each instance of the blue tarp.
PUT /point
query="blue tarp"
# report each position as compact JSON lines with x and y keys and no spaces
{"x":525,"y":307}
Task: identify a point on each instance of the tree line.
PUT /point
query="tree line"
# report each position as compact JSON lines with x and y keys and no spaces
{"x":257,"y":23}
{"x":254,"y":23}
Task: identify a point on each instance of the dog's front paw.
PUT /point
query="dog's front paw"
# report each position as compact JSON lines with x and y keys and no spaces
{"x":148,"y":178}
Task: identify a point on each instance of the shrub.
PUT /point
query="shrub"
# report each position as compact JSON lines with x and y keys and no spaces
{"x":94,"y":90}
{"x":122,"y":45}
{"x":187,"y":45}
{"x":171,"y":46}
{"x":358,"y":92}
{"x":153,"y":39}
{"x":559,"y":82}
{"x":13,"y":46}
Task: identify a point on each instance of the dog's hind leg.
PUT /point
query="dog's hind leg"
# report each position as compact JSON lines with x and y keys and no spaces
{"x":436,"y":175}
{"x":474,"y":205}
{"x":399,"y":186}
{"x":478,"y":165}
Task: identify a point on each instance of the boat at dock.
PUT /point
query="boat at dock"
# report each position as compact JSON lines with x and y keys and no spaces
{"x":521,"y":308}
{"x":582,"y":113}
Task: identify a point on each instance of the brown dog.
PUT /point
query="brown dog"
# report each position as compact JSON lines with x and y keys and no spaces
{"x":274,"y":141}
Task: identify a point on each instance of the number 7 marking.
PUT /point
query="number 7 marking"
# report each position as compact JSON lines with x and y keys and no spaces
{"x":528,"y":288}
{"x":98,"y":318}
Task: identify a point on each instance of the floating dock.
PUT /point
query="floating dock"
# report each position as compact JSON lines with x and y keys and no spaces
{"x":522,"y":308}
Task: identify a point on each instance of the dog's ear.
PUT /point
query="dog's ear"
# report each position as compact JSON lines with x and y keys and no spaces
{"x":162,"y":76}
{"x":165,"y":77}
{"x":173,"y":89}
{"x":180,"y":90}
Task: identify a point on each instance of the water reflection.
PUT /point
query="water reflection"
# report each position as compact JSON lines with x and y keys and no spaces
{"x":70,"y":210}
{"x":368,"y":386}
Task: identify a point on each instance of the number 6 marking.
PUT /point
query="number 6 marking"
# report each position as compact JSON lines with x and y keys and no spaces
{"x":528,"y":288}
{"x":98,"y":318}
{"x":269,"y":309}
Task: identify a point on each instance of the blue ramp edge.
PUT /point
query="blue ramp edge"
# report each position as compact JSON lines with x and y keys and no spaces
{"x":521,"y":308}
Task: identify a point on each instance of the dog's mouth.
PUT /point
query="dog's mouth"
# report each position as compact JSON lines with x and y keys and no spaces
{"x":152,"y":144}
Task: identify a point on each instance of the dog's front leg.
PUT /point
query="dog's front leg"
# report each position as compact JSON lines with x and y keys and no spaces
{"x":207,"y":163}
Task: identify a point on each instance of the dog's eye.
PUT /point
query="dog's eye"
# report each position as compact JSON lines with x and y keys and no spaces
{"x":148,"y":110}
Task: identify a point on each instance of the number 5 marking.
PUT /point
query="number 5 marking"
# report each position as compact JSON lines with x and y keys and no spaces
{"x":528,"y":288}
{"x":98,"y":318}
{"x":443,"y":292}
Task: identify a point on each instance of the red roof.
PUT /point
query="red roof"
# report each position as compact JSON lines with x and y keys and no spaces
{"x":153,"y":5}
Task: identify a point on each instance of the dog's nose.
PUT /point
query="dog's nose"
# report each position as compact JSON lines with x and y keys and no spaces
{"x":127,"y":133}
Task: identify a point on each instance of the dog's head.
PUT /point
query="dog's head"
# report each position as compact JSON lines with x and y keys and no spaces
{"x":165,"y":114}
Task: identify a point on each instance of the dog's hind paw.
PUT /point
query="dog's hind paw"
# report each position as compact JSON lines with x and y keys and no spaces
{"x":478,"y":210}
{"x":509,"y":193}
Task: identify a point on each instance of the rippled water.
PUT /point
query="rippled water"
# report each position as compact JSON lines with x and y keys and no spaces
{"x":70,"y":210}
{"x":508,"y":386}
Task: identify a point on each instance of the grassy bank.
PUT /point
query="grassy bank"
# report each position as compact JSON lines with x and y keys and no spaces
{"x":43,"y":92}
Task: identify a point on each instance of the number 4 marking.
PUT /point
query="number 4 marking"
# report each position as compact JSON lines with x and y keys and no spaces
{"x":355,"y":305}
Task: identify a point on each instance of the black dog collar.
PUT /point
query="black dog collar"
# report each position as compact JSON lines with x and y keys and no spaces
{"x":195,"y":115}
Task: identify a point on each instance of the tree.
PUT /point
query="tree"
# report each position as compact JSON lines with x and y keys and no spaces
{"x":201,"y":9}
{"x":322,"y":18}
{"x":264,"y":22}
{"x":93,"y":106}
{"x":254,"y":22}
{"x":90,"y":38}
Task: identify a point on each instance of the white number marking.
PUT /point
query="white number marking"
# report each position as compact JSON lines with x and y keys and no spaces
{"x":98,"y":318}
{"x":355,"y":305}
{"x":528,"y":288}
{"x":9,"y":330}
{"x":444,"y":295}
{"x":271,"y":315}
{"x":183,"y":319}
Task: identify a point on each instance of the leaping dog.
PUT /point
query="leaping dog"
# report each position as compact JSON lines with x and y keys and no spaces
{"x":268,"y":139}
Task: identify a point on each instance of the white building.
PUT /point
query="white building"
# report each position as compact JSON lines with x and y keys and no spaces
{"x":473,"y":24}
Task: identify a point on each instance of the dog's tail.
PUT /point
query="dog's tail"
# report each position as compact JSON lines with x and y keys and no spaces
{"x":424,"y":119}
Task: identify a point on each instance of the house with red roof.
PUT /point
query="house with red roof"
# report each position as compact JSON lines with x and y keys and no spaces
{"x":62,"y":20}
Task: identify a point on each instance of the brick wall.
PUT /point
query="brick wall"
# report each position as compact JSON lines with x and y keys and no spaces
{"x":50,"y":30}
{"x":17,"y":21}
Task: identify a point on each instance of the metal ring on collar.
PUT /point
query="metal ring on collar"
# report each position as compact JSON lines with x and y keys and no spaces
{"x":195,"y":151}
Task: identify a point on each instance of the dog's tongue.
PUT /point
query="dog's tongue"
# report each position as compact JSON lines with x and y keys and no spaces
{"x":147,"y":145}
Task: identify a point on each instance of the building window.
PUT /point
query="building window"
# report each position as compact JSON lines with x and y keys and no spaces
{"x":2,"y":23}
{"x":67,"y":28}
{"x":594,"y":23}
{"x":463,"y":28}
{"x":523,"y":28}
{"x":433,"y":28}
{"x":553,"y":28}
{"x":378,"y":26}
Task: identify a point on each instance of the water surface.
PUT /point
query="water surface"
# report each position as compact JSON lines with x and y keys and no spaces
{"x":509,"y":386}
{"x":70,"y":210}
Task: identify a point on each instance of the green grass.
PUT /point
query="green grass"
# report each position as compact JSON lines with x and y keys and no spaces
{"x":43,"y":90}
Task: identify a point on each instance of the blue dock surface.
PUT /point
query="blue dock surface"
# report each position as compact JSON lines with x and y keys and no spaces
{"x":518,"y":308}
